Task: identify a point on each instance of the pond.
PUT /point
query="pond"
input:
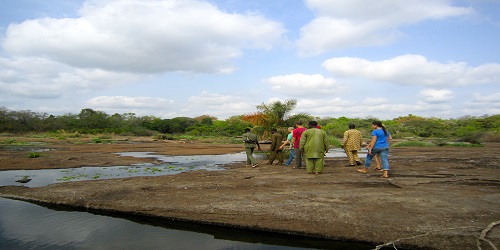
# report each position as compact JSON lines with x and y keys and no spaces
{"x":26,"y":225}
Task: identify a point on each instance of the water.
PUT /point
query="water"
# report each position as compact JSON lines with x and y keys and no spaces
{"x":165,"y":165}
{"x":25,"y":225}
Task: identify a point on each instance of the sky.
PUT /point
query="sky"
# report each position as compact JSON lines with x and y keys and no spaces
{"x":187,"y":58}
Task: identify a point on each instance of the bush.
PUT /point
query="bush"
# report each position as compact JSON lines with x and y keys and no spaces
{"x":164,"y":137}
{"x":491,"y":137}
{"x":34,"y":155}
{"x":97,"y":140}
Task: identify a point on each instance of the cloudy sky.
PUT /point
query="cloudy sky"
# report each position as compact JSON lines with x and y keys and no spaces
{"x":170,"y":58}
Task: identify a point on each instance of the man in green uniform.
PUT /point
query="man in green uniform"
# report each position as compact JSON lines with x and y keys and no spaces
{"x":314,"y":144}
{"x":276,"y":150}
{"x":250,"y":140}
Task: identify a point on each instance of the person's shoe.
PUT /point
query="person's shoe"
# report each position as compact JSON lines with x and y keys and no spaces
{"x":358,"y":163}
{"x":350,"y":165}
{"x":255,"y":165}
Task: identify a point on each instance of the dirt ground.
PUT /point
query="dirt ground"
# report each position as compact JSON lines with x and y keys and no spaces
{"x":436,"y":197}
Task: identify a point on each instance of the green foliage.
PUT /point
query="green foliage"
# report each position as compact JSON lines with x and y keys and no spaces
{"x":97,"y":139}
{"x":9,"y":141}
{"x":34,"y":155}
{"x":464,"y":129}
{"x":277,"y":111}
{"x":334,"y":142}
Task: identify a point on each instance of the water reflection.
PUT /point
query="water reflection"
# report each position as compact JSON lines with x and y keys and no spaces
{"x":30,"y":226}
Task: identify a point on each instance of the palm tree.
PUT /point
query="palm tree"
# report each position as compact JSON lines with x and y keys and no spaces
{"x":277,"y":111}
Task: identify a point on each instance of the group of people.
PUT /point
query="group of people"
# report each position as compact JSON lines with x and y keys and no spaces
{"x":311,"y":144}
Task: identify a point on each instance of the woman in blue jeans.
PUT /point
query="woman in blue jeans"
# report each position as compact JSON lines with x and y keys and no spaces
{"x":379,"y":145}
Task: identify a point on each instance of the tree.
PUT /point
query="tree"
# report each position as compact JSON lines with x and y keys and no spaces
{"x":277,"y":111}
{"x":93,"y":120}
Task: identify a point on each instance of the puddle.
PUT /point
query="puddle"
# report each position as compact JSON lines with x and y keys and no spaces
{"x":165,"y":165}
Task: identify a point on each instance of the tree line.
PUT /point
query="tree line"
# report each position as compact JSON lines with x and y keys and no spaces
{"x":267,"y":116}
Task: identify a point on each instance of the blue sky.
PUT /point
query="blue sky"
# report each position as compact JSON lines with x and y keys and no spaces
{"x":169,"y":58}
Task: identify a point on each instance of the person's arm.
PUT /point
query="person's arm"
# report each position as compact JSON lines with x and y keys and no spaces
{"x":344,"y":140}
{"x":372,"y":144}
{"x":284,"y":143}
{"x":257,"y":142}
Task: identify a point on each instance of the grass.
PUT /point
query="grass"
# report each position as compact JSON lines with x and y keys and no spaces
{"x":463,"y":144}
{"x":413,"y":144}
{"x":34,"y":155}
{"x":433,"y":144}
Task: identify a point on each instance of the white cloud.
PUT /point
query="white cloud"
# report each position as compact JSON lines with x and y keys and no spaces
{"x":302,"y":85}
{"x":374,"y":101}
{"x":371,"y":107}
{"x":436,"y":95}
{"x":144,"y":36}
{"x":346,"y":23}
{"x":219,"y":105}
{"x":42,"y":78}
{"x":127,"y":103}
{"x":414,"y":70}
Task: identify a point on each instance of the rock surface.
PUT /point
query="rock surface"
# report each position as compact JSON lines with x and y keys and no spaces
{"x":436,"y":197}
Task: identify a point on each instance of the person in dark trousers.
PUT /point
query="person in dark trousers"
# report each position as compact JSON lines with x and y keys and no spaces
{"x":250,"y":139}
{"x":276,"y":150}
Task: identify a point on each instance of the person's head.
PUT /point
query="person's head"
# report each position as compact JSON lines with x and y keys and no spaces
{"x":298,"y":124}
{"x":377,"y":123}
{"x":290,"y":129}
{"x":313,"y":124}
{"x":247,"y":130}
{"x":352,"y":126}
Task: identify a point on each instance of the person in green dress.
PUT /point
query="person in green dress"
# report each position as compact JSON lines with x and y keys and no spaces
{"x":314,"y":145}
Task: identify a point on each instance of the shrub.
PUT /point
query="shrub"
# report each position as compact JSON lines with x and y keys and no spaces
{"x":34,"y":155}
{"x":97,"y":140}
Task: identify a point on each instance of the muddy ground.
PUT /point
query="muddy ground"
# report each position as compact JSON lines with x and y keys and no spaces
{"x":436,"y":197}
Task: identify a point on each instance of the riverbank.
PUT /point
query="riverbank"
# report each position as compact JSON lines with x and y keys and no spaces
{"x":436,"y":198}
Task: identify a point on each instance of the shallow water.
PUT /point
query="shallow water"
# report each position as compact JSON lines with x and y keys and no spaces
{"x":25,"y":225}
{"x":165,"y":165}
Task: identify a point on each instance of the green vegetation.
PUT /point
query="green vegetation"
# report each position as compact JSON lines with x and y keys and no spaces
{"x":100,"y":127}
{"x":34,"y":155}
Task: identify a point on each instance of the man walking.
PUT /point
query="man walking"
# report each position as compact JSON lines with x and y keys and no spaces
{"x":296,"y":134}
{"x":250,"y":140}
{"x":314,"y":143}
{"x":351,"y":143}
{"x":276,"y":150}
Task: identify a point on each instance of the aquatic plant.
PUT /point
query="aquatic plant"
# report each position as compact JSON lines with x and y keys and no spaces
{"x":73,"y":177}
{"x":34,"y":155}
